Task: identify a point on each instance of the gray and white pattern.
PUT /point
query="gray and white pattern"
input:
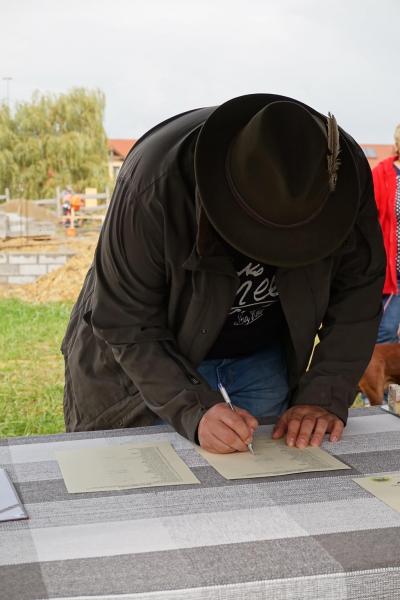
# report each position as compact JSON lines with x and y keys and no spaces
{"x":310,"y":536}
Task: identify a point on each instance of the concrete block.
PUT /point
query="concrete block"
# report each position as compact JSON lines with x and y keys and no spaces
{"x":17,"y":228}
{"x":59,"y":259}
{"x":3,"y":279}
{"x":3,"y":226}
{"x":22,"y":259}
{"x":15,"y":218}
{"x":30,"y":229}
{"x":3,"y":258}
{"x":42,"y":229}
{"x":32,"y":269}
{"x":7,"y":269}
{"x":21,"y":279}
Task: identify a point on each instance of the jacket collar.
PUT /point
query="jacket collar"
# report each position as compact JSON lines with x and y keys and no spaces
{"x":215,"y":264}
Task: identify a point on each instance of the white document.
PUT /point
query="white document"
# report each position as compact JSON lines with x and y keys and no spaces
{"x":122,"y":467}
{"x":11,"y":508}
{"x":271,"y":458}
{"x":385,"y":486}
{"x":386,"y":408}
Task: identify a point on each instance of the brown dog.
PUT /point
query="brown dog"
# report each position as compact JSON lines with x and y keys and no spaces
{"x":384,"y":368}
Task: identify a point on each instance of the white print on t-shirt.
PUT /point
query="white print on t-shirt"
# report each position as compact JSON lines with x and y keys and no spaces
{"x":254,"y":295}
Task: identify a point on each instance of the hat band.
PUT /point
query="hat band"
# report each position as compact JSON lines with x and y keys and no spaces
{"x":254,"y":214}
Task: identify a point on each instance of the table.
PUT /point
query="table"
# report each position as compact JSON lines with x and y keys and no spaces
{"x":311,"y":535}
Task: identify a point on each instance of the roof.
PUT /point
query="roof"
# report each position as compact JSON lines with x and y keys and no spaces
{"x":377,"y":152}
{"x":120,"y":147}
{"x":374,"y":152}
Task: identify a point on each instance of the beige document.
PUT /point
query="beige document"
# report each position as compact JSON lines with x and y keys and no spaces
{"x":271,"y":458}
{"x":122,"y":467}
{"x":386,"y":487}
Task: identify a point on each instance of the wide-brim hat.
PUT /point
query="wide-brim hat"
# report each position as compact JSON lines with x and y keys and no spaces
{"x":270,"y":182}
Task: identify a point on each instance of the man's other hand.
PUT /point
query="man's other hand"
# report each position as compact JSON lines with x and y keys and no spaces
{"x":222,"y":430}
{"x":306,"y":424}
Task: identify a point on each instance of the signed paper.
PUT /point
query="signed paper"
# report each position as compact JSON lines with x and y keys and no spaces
{"x":122,"y":467}
{"x":386,"y":487}
{"x":271,"y":458}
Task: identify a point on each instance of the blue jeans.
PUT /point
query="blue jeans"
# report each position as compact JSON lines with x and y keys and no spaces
{"x":389,"y":325}
{"x":257,"y":382}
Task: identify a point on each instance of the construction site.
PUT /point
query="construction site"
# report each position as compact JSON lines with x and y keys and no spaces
{"x":44,"y":256}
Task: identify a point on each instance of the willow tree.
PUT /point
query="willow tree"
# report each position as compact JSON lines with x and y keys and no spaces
{"x":54,"y":141}
{"x":8,"y":166}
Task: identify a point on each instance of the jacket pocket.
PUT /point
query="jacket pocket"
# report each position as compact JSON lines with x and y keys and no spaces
{"x":191,"y":377}
{"x":126,"y":412}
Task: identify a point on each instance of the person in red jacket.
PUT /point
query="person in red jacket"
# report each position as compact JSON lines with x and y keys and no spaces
{"x":386,"y":176}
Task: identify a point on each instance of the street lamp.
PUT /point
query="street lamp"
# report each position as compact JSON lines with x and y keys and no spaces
{"x":8,"y":80}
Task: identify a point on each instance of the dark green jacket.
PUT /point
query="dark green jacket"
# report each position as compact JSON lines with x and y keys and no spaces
{"x":162,"y":285}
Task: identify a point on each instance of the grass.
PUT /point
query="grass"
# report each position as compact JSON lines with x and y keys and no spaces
{"x":31,"y":367}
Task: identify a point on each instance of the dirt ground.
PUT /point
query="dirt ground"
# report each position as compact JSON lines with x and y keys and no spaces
{"x":63,"y":284}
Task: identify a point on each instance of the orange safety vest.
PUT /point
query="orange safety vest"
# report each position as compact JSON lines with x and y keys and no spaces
{"x":76,"y":202}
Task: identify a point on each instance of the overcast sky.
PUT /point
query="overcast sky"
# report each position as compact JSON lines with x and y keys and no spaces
{"x":156,"y":58}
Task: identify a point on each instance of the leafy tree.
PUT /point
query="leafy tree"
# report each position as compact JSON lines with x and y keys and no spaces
{"x":54,"y":141}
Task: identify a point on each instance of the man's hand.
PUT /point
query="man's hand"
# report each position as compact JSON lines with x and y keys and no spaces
{"x":306,"y":424}
{"x":223,"y":430}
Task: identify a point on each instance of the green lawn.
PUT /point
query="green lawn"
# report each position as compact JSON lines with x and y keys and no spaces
{"x":31,"y":367}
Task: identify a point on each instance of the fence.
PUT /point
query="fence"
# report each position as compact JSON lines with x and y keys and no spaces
{"x":20,"y":221}
{"x":57,"y":201}
{"x":6,"y":196}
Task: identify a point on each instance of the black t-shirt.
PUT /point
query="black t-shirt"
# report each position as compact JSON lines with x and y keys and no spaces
{"x":256,"y":317}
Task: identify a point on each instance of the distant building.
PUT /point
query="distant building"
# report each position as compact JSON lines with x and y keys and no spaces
{"x":117,"y":152}
{"x":377,"y":152}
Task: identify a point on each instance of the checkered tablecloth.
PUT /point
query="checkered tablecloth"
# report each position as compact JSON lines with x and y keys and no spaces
{"x":311,"y":535}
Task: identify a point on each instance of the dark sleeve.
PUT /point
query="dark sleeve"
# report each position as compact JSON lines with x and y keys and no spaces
{"x":349,"y":328}
{"x":129,"y":311}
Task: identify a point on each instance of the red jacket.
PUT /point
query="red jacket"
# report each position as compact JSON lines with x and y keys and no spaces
{"x":385,"y":183}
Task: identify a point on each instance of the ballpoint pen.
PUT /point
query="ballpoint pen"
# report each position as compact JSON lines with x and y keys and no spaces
{"x":225,"y":396}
